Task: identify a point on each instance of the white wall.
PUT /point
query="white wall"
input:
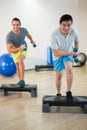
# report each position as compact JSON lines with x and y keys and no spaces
{"x":40,"y":17}
{"x":82,"y":22}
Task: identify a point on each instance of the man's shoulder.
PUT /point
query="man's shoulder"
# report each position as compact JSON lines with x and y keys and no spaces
{"x":24,"y":30}
{"x":55,"y":33}
{"x":73,"y":30}
{"x":9,"y":34}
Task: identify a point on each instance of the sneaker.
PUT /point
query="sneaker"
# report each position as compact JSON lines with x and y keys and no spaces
{"x":58,"y":94}
{"x":21,"y":83}
{"x":69,"y":96}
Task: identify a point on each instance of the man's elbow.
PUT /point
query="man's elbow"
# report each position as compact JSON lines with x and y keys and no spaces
{"x":55,"y":53}
{"x":9,"y":50}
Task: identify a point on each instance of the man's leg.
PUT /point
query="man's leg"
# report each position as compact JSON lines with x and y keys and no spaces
{"x":18,"y":72}
{"x":21,"y":67}
{"x":58,"y":67}
{"x":69,"y":75}
{"x":18,"y":59}
{"x":69,"y":79}
{"x":58,"y":82}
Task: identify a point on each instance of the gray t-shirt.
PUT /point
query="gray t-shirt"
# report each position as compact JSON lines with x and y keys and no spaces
{"x":61,"y":43}
{"x":14,"y":39}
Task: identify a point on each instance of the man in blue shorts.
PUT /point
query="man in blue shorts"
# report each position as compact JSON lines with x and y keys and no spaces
{"x":64,"y":42}
{"x":17,"y":46}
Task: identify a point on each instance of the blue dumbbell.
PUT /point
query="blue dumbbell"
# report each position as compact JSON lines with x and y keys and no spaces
{"x":76,"y":60}
{"x":22,"y":43}
{"x":75,"y":57}
{"x":75,"y":49}
{"x":34,"y":45}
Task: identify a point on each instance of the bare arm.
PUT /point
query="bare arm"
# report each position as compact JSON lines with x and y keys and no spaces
{"x":11,"y":48}
{"x":77,"y":44}
{"x":61,"y":53}
{"x":30,"y":38}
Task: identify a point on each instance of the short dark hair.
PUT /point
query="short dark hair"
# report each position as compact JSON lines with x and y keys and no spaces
{"x":66,"y":17}
{"x":16,"y":19}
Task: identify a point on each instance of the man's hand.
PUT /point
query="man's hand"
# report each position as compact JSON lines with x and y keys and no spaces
{"x":75,"y":50}
{"x":34,"y":45}
{"x":74,"y":53}
{"x":22,"y":47}
{"x":75,"y":56}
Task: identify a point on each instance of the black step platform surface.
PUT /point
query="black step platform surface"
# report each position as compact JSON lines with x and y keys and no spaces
{"x":43,"y":67}
{"x":14,"y":87}
{"x":52,"y":100}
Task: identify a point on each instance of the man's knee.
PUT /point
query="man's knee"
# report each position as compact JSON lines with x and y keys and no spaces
{"x":68,"y":67}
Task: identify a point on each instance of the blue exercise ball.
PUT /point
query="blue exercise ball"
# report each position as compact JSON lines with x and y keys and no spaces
{"x":7,"y":65}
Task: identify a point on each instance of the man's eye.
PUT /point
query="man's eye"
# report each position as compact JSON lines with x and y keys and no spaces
{"x":15,"y":24}
{"x":64,"y":24}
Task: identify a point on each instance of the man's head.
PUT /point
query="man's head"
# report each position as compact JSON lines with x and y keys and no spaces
{"x":65,"y":23}
{"x":16,"y":24}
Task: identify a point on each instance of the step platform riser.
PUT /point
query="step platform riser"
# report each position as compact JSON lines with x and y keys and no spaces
{"x":52,"y":100}
{"x":5,"y":88}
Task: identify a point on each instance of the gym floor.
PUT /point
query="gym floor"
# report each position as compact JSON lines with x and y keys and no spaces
{"x":21,"y":111}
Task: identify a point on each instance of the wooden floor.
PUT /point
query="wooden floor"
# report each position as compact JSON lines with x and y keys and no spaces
{"x":19,"y":111}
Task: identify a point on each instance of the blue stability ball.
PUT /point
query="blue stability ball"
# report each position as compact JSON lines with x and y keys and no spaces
{"x":7,"y":65}
{"x":49,"y":56}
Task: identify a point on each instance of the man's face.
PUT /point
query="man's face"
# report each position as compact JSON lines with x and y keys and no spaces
{"x":16,"y":25}
{"x":65,"y":27}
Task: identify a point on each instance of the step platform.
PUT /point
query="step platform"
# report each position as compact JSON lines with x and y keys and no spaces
{"x":52,"y":100}
{"x":5,"y":88}
{"x":43,"y":67}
